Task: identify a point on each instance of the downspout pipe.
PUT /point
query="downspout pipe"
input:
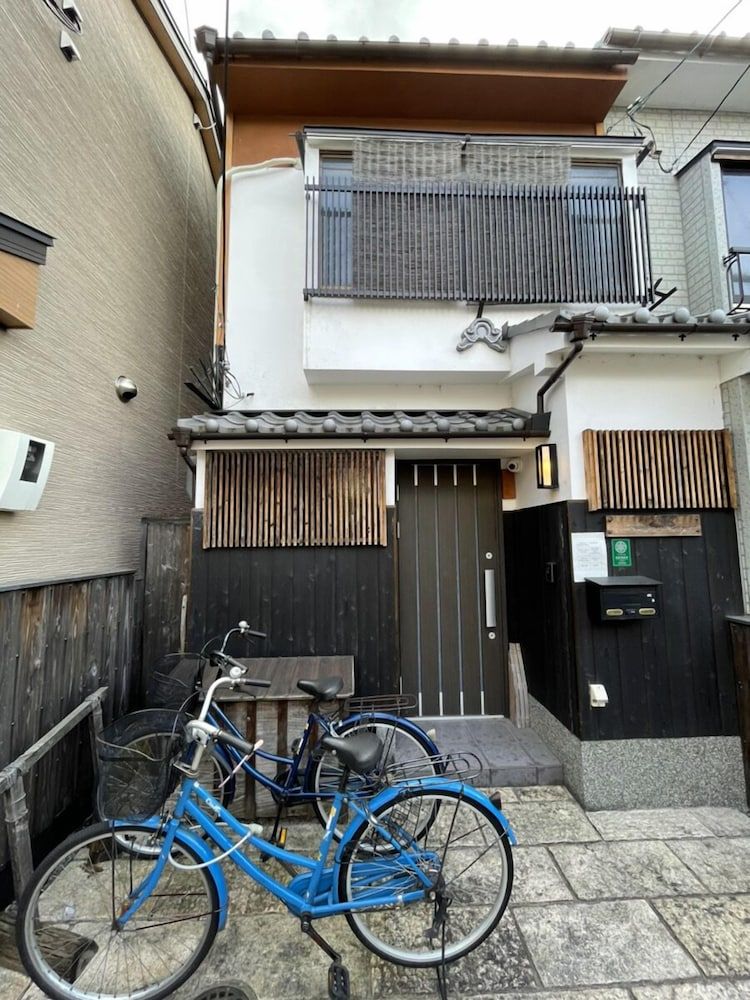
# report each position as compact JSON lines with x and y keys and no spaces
{"x":540,"y":420}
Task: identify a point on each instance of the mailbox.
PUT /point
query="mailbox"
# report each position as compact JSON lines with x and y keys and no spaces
{"x":623,"y":598}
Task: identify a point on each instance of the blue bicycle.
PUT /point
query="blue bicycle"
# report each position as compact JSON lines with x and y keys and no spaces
{"x":143,"y":922}
{"x":309,"y":774}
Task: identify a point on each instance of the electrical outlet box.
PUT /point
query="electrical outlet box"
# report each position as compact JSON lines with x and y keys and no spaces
{"x":25,"y":462}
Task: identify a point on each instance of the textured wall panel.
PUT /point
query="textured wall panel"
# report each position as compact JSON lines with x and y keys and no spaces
{"x":101,"y":154}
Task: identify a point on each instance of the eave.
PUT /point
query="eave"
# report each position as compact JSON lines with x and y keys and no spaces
{"x":337,"y":79}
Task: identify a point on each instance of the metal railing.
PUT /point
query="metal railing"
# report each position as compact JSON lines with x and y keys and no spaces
{"x":476,"y":242}
{"x":737,"y":265}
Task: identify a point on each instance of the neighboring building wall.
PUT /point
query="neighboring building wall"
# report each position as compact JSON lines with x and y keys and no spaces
{"x":704,"y":230}
{"x":674,"y":252}
{"x":103,"y":155}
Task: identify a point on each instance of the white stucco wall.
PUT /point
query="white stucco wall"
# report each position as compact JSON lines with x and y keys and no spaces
{"x":340,"y":354}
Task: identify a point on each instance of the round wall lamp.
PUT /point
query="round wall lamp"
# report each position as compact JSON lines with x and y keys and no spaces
{"x":125,"y":388}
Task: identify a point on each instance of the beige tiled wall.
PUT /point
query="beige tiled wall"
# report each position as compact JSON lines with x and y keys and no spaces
{"x":101,"y":154}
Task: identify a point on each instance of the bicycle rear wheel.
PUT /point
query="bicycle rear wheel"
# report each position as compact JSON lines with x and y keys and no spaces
{"x":465,"y":853}
{"x":67,"y":931}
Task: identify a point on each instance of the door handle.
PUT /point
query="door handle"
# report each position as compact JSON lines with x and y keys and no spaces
{"x":490,"y":608}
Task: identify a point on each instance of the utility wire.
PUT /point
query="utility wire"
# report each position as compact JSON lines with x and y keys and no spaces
{"x":713,"y":114}
{"x":639,"y":102}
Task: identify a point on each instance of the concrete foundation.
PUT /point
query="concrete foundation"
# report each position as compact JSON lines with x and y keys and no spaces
{"x":646,"y":773}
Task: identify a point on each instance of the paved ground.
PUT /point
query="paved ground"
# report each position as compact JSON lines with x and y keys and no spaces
{"x":643,"y":905}
{"x":509,"y":755}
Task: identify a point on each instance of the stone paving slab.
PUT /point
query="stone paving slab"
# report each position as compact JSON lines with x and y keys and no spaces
{"x":723,"y":822}
{"x":690,"y":991}
{"x":537,"y":878}
{"x":649,"y":824}
{"x":577,"y":944}
{"x":624,"y":869}
{"x":715,"y":929}
{"x":722,"y":864}
{"x":551,"y":822}
{"x":499,"y":965}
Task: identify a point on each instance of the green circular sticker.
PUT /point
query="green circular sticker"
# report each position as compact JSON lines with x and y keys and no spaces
{"x":621,"y":547}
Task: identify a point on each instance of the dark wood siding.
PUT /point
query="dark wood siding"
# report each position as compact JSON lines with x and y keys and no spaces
{"x":316,"y":601}
{"x":671,"y":677}
{"x":540,"y":610}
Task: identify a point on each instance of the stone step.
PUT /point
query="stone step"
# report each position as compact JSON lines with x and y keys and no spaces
{"x":509,"y":755}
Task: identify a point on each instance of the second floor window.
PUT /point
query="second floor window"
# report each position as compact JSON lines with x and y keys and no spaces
{"x":388,"y":225}
{"x":736,"y":185}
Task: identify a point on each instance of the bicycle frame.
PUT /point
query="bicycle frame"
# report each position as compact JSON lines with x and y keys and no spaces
{"x":314,"y":893}
{"x":290,"y":789}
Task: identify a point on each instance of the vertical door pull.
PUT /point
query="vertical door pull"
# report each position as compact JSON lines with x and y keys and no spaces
{"x":490,"y":613}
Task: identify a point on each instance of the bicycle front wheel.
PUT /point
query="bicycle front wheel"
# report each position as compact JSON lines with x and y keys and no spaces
{"x":465,"y":854}
{"x":68,"y":934}
{"x":401,"y":742}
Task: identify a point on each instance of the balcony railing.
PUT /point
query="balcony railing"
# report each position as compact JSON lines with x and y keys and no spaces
{"x":505,"y":244}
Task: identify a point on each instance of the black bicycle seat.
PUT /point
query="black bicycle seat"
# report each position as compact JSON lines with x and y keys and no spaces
{"x":324,"y":689}
{"x":359,"y":752}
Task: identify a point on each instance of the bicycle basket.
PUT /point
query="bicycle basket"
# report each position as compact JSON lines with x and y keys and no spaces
{"x":136,"y":756}
{"x":174,"y":680}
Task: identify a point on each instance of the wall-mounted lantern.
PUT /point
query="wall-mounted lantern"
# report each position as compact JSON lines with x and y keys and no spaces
{"x":546,"y":467}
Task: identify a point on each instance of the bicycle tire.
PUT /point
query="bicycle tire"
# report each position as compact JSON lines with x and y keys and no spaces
{"x":57,"y":892}
{"x":406,"y":741}
{"x":469,"y":827}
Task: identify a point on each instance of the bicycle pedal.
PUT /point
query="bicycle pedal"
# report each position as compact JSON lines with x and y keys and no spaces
{"x":338,"y":981}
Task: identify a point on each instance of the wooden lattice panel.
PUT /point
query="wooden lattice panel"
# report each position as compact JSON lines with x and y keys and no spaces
{"x":659,"y":470}
{"x":260,"y":499}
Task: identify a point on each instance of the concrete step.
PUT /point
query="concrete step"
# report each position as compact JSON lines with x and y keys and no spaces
{"x":509,"y":755}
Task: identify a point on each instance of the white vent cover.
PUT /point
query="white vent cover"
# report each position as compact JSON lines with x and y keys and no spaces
{"x":25,"y":462}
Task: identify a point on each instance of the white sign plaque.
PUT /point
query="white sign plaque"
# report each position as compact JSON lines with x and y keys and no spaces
{"x":589,"y":550}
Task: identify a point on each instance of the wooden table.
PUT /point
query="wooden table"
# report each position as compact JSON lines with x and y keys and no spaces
{"x":277,"y":714}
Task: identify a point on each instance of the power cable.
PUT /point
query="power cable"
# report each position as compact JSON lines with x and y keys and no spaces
{"x":713,"y":114}
{"x":639,"y":102}
{"x":221,"y":351}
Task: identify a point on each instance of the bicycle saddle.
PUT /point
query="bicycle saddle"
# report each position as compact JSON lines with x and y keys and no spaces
{"x":324,"y":689}
{"x":359,"y":752}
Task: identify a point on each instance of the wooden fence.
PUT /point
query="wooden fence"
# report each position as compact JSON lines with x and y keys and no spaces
{"x":59,"y":642}
{"x":166,"y":582}
{"x":256,"y":499}
{"x":659,"y":470}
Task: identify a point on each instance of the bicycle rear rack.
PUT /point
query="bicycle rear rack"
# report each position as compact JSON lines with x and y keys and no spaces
{"x":461,"y":765}
{"x":392,"y":704}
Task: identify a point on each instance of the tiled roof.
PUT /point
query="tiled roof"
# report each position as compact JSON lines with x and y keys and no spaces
{"x":601,"y":319}
{"x":337,"y":424}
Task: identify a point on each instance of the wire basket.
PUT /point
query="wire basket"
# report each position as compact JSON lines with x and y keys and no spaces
{"x":392,"y":704}
{"x":136,"y":756}
{"x":174,"y":681}
{"x":462,"y":765}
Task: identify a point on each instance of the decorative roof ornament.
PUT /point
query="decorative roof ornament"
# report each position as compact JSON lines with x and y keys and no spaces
{"x":484,"y":330}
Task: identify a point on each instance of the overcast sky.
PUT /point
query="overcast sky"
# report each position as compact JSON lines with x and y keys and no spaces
{"x":528,"y":21}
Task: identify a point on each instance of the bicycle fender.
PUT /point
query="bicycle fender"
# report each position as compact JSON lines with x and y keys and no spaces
{"x":403,"y":722}
{"x":204,"y":852}
{"x":391,"y":794}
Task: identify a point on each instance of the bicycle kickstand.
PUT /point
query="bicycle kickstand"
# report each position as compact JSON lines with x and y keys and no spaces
{"x":338,"y":974}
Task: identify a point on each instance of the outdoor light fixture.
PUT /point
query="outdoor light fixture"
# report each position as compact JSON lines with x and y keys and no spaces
{"x":546,"y":467}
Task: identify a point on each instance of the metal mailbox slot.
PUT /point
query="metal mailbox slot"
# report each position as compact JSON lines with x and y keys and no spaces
{"x":623,"y":598}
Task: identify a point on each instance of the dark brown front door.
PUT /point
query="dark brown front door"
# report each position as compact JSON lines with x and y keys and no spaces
{"x":451,"y":591}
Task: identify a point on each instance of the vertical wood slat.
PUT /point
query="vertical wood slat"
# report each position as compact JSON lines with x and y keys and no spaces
{"x":651,"y":470}
{"x":260,"y":499}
